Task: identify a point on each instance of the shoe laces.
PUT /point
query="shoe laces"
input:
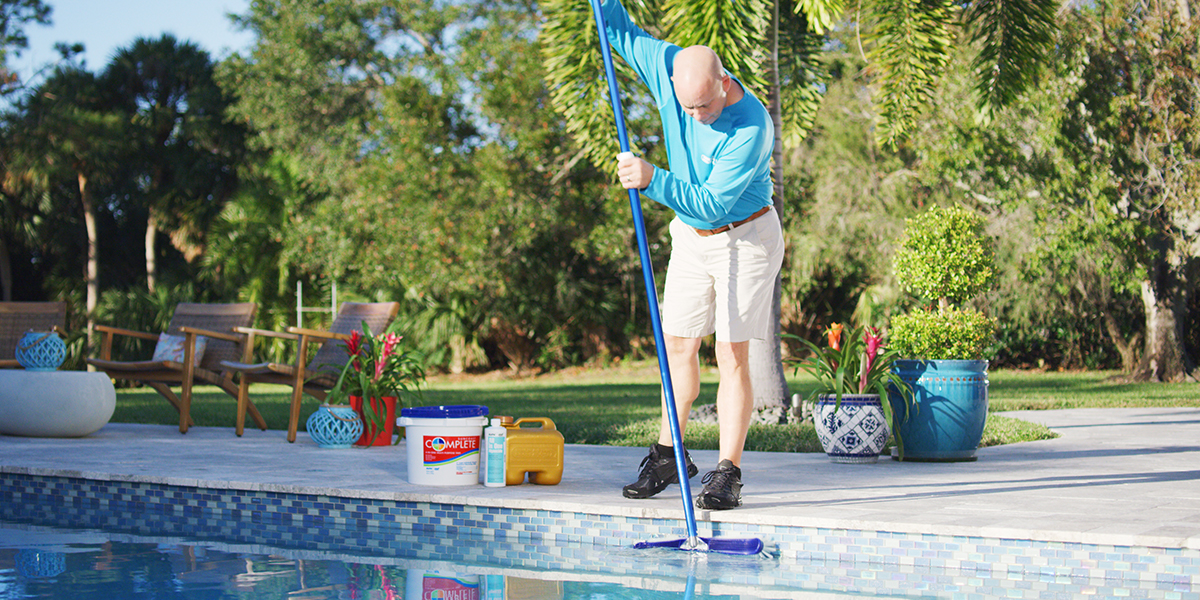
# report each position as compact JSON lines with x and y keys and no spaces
{"x":645,"y":466}
{"x":721,"y":480}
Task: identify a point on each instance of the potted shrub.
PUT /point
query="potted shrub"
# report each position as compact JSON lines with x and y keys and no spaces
{"x":380,"y":371}
{"x":945,"y":259}
{"x":853,"y":373}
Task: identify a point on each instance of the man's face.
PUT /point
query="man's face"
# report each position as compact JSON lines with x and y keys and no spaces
{"x":702,"y":102}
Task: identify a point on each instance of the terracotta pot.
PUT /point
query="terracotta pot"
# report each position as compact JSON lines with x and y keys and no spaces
{"x":370,"y":437}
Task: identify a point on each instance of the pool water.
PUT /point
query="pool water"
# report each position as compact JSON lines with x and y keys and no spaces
{"x":43,"y":562}
{"x":38,"y":562}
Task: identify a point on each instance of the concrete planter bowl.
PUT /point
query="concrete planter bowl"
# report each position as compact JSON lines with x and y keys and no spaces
{"x":54,"y":403}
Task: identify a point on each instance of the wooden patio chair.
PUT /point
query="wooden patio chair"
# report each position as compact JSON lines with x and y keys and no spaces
{"x":18,"y":317}
{"x":321,"y":373}
{"x":216,"y":323}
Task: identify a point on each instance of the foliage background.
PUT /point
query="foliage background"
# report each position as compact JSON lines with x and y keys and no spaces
{"x":411,"y":151}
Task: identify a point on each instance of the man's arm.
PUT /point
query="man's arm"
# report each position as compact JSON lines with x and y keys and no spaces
{"x":732,"y":173}
{"x":639,"y":49}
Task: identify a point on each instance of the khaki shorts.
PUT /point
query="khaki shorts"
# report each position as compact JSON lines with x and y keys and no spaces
{"x":723,"y":283}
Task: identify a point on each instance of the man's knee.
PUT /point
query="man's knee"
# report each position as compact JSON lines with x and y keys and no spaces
{"x":681,"y":346}
{"x":732,"y":354}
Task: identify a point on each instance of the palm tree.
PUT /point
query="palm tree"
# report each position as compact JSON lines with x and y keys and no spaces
{"x":64,"y":130}
{"x":908,"y":45}
{"x":187,"y":149}
{"x":14,"y":14}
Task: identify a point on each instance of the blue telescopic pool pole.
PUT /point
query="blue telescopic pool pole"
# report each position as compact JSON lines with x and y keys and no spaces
{"x":635,"y":203}
{"x":693,"y":541}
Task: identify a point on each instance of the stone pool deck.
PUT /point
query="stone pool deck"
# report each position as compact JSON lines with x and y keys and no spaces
{"x":1115,"y":477}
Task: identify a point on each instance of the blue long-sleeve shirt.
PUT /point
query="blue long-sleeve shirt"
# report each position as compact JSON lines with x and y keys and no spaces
{"x":719,"y":173}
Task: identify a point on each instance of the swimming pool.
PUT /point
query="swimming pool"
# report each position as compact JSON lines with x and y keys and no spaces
{"x":50,"y":562}
{"x":322,"y":524}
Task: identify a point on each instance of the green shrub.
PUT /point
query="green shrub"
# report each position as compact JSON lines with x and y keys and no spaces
{"x":942,"y":334}
{"x":945,"y":255}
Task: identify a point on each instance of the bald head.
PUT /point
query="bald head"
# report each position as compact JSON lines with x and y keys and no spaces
{"x":700,"y":82}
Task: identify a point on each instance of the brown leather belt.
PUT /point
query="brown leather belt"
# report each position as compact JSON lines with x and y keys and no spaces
{"x":722,"y":229}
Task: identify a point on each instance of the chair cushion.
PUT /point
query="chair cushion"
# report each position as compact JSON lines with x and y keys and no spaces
{"x":170,"y":347}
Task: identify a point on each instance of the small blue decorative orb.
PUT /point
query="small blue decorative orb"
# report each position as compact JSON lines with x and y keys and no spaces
{"x":41,"y":351}
{"x":334,"y":426}
{"x":37,"y":564}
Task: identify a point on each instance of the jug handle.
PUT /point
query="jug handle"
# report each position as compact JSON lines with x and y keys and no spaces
{"x":546,"y":423}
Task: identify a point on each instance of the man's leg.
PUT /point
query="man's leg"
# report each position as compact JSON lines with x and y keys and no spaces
{"x":658,"y":469}
{"x":683,"y":358}
{"x":735,"y":399}
{"x":735,"y":403}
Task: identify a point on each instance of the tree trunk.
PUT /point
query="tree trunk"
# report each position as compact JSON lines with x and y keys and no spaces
{"x":766,"y":358}
{"x":6,"y":282}
{"x":1164,"y":357}
{"x":151,"y":264}
{"x":92,"y":271}
{"x":1127,"y":348}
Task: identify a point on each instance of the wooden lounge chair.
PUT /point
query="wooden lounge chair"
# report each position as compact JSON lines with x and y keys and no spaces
{"x":18,"y":317}
{"x":320,"y":374}
{"x":213,"y":321}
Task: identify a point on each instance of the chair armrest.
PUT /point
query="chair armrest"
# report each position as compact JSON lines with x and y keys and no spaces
{"x":128,"y":332}
{"x":213,"y":334}
{"x":324,"y":335}
{"x":267,"y":333}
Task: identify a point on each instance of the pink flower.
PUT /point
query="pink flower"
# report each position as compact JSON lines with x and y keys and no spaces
{"x":874,"y":343}
{"x":390,"y":341}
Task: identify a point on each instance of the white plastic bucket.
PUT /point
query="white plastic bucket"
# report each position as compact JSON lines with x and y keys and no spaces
{"x":443,"y":443}
{"x":421,"y":584}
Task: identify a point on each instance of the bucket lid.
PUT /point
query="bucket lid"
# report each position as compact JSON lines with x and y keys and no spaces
{"x":458,"y":411}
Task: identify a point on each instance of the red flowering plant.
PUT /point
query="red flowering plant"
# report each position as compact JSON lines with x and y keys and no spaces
{"x":378,"y":366}
{"x":858,"y":363}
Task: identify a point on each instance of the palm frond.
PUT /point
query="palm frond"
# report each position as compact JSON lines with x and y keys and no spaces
{"x":911,"y":46}
{"x":1015,"y":37}
{"x":734,"y":30}
{"x":801,"y":72}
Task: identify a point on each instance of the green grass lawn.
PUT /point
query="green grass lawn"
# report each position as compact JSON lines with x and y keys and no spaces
{"x":619,"y":406}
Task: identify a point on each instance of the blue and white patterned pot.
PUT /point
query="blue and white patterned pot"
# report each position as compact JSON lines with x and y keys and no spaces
{"x":856,"y":432}
{"x":41,"y":351}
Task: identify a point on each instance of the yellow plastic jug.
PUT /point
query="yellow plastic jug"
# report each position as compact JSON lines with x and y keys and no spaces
{"x":537,"y":451}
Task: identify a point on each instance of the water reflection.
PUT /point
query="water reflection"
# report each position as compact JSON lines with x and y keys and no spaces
{"x":46,"y":563}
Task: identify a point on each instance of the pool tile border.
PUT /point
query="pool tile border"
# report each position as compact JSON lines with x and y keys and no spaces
{"x":468,"y":533}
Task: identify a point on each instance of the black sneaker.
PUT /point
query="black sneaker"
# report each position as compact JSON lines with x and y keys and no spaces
{"x":722,"y":488}
{"x":658,"y":471}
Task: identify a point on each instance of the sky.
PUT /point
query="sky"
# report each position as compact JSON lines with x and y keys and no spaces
{"x":104,"y":26}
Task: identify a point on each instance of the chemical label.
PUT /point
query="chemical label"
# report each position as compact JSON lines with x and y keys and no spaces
{"x":448,"y":588}
{"x":458,"y":454}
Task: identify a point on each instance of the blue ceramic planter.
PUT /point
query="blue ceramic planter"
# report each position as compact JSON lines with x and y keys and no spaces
{"x":950,"y":398}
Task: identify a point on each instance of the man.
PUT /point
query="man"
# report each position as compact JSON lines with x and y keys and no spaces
{"x":727,"y":243}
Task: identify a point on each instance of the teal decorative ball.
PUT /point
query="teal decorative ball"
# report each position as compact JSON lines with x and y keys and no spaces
{"x":41,"y":351}
{"x":334,"y":426}
{"x":37,"y":564}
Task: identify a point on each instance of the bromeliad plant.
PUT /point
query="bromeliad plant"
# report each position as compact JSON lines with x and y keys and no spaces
{"x":858,"y":363}
{"x":379,"y":366}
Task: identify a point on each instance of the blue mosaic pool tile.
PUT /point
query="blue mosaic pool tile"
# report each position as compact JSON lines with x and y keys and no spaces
{"x":952,"y":566}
